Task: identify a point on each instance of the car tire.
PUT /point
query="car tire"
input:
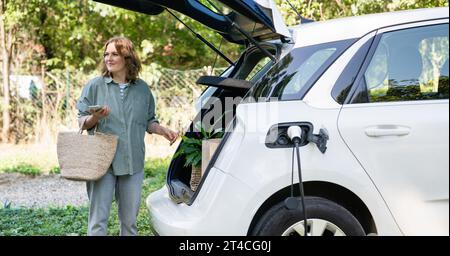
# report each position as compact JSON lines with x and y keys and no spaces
{"x":279,"y":220}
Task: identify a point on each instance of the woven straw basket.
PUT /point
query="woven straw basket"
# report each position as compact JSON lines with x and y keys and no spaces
{"x":196,"y":176}
{"x":85,"y":157}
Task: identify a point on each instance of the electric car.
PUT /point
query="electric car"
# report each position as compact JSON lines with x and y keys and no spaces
{"x":368,"y":96}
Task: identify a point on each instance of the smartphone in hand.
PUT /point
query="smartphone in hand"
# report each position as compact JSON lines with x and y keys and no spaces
{"x":95,"y":108}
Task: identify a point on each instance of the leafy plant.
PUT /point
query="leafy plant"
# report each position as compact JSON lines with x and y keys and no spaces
{"x":192,"y":147}
{"x":55,"y":170}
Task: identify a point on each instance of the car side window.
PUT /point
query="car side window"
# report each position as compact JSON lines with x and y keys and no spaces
{"x":307,"y":70}
{"x":408,"y":65}
{"x":258,"y":67}
{"x":292,"y":76}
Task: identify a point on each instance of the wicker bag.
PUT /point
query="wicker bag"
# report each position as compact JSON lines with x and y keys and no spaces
{"x":196,"y":176}
{"x":85,"y":157}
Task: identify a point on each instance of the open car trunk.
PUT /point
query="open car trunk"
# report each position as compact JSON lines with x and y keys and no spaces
{"x":179,"y":176}
{"x":252,"y":65}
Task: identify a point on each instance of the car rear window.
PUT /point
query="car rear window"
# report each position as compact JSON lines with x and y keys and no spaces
{"x":294,"y":75}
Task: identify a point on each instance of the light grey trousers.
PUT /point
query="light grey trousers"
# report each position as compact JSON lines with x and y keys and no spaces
{"x":127,"y":189}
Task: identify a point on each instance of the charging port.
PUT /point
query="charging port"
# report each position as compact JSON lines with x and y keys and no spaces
{"x":277,"y":136}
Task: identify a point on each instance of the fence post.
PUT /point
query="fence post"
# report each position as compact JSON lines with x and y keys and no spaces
{"x":44,"y":92}
{"x":43,"y":128}
{"x":67,"y":96}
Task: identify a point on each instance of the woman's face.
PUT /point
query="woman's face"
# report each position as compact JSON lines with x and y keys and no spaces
{"x":114,"y":61}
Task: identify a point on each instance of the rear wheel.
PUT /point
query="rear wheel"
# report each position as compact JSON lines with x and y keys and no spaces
{"x":325,"y":218}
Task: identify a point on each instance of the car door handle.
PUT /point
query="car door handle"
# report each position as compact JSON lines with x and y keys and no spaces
{"x":387,"y":130}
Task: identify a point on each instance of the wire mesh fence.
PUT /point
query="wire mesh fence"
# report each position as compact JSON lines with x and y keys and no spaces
{"x":43,"y":104}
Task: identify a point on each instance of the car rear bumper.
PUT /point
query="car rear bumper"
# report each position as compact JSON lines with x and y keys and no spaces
{"x":215,"y":211}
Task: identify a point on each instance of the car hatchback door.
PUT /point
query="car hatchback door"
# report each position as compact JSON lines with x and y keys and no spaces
{"x":396,"y":123}
{"x":260,"y":19}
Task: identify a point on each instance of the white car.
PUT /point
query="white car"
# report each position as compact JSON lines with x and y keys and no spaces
{"x":370,"y":94}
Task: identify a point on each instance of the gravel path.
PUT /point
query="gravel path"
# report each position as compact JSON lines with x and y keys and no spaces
{"x":41,"y":191}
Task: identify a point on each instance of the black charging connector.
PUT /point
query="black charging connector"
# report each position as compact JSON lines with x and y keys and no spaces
{"x":295,"y":134}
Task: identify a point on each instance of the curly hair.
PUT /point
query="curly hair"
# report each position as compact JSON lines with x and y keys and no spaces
{"x":125,"y":48}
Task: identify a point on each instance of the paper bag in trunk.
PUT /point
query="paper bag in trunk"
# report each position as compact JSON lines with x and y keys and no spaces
{"x":208,"y":149}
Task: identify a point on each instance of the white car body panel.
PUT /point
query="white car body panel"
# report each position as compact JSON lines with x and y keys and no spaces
{"x":412,"y":170}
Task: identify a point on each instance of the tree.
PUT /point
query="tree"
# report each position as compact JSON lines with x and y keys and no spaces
{"x":15,"y":21}
{"x":7,"y":38}
{"x":73,"y":33}
{"x":18,"y":20}
{"x":328,"y":9}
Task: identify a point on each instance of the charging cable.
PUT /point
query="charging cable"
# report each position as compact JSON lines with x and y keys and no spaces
{"x":295,"y":134}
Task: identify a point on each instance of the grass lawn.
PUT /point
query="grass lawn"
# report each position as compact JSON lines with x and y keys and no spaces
{"x":73,"y":220}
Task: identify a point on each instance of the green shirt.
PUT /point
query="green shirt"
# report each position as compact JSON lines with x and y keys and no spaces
{"x":128,"y":119}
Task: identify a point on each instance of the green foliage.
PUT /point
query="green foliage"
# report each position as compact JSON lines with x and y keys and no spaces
{"x":55,"y":170}
{"x":47,"y":222}
{"x":23,"y":168}
{"x":25,"y":113}
{"x":191,"y":148}
{"x":28,"y":169}
{"x":326,"y":9}
{"x":70,"y":220}
{"x":71,"y":34}
{"x":156,"y":168}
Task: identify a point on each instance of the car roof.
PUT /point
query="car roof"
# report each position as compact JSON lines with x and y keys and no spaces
{"x":358,"y":26}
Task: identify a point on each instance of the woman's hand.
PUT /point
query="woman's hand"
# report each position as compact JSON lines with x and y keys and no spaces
{"x":91,"y":121}
{"x":170,"y":135}
{"x":99,"y":114}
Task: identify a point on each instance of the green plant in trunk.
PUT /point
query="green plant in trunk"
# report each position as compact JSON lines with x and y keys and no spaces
{"x":191,"y":148}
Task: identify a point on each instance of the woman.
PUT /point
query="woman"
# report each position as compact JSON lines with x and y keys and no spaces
{"x":128,"y":111}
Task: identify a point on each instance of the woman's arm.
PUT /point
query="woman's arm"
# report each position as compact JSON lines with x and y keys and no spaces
{"x":170,"y":135}
{"x":91,"y":120}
